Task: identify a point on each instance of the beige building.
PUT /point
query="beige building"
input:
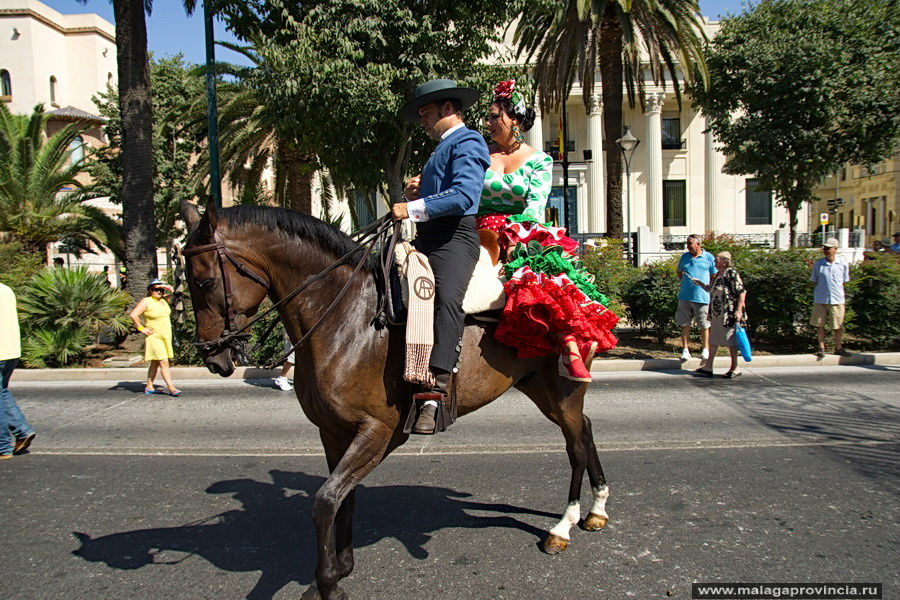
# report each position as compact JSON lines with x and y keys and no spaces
{"x":55,"y":59}
{"x":60,"y":61}
{"x":868,"y":200}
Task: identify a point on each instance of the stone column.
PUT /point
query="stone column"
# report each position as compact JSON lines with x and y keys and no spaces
{"x":596,"y":184}
{"x":654,"y":102}
{"x":534,"y":137}
{"x":711,"y":173}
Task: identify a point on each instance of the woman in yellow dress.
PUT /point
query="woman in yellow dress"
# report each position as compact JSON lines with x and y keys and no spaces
{"x":158,"y":332}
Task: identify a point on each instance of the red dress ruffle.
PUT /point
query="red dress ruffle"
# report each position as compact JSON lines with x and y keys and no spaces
{"x":537,"y":304}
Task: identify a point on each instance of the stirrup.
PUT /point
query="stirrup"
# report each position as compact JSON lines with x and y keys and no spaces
{"x":575,"y":370}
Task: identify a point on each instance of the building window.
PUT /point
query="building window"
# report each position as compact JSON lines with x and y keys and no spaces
{"x":5,"y":83}
{"x":76,"y":150}
{"x":758,"y":204}
{"x":674,"y":203}
{"x":671,"y":134}
{"x":873,"y":218}
{"x":53,"y":89}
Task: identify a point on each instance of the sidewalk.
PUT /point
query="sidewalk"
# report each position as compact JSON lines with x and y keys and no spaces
{"x":599,"y":366}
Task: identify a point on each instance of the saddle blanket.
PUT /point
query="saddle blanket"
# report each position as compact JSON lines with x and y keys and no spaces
{"x":485,"y":291}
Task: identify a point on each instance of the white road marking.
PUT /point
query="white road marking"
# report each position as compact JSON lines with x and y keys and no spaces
{"x":440,"y":451}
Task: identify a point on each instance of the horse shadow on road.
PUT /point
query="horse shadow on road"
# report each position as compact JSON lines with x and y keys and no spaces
{"x":274,"y":534}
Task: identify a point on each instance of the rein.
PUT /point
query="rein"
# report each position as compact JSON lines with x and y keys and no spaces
{"x":367,"y":238}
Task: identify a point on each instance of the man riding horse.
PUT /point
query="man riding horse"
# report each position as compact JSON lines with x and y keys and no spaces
{"x":443,"y":202}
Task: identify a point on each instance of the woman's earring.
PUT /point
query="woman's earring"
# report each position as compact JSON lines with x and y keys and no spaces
{"x":518,"y":135}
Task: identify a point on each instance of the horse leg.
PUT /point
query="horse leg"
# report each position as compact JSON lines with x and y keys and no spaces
{"x":562,"y":402}
{"x":335,"y":448}
{"x":597,"y":517}
{"x":362,"y":455}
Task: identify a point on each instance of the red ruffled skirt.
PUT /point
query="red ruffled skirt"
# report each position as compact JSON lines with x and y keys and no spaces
{"x":541,"y":309}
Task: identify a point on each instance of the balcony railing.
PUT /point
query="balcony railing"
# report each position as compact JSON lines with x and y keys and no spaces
{"x":754,"y":240}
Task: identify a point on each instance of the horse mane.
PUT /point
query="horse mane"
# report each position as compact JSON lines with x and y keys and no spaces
{"x":294,"y":224}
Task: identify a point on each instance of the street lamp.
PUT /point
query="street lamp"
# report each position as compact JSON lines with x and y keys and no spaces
{"x":627,"y":143}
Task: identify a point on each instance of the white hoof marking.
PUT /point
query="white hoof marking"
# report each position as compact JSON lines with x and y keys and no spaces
{"x":569,"y":519}
{"x":601,"y":493}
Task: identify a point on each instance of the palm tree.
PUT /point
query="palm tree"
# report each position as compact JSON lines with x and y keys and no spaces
{"x":252,"y":138}
{"x":574,"y":37}
{"x":40,"y":199}
{"x":137,"y":140}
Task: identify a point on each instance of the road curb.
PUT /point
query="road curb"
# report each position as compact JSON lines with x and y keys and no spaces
{"x":774,"y":360}
{"x":599,"y":366}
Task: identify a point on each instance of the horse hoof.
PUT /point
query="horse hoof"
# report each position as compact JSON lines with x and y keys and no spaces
{"x":554,"y":544}
{"x":595,"y":522}
{"x":311,"y":593}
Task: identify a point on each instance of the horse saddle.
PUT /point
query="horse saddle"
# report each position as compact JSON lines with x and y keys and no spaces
{"x":485,"y":290}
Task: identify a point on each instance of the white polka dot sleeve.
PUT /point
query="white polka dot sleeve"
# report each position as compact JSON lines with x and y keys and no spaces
{"x":539,"y":185}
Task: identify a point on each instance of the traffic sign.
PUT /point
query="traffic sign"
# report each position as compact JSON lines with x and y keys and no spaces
{"x":823,"y":218}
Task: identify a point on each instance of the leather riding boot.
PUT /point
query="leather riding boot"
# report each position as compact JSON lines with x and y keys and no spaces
{"x":427,"y":411}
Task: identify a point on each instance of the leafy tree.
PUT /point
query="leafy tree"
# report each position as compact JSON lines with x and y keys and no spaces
{"x":176,"y":88}
{"x":800,"y":87}
{"x":33,"y":171}
{"x":63,"y":310}
{"x":574,"y":37}
{"x":333,"y":74}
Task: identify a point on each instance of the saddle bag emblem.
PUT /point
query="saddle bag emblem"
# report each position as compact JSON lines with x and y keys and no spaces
{"x":423,"y":288}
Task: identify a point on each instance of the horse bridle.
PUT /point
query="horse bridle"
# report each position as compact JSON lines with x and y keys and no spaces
{"x":228,"y":337}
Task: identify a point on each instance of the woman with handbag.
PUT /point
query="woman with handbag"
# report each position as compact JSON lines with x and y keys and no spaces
{"x":726,"y":311}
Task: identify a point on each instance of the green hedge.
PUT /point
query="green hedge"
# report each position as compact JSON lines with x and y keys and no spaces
{"x":652,"y":298}
{"x":874,"y":300}
{"x":779,"y":293}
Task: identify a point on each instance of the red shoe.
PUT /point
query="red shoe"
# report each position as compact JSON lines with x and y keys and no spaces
{"x":587,"y":350}
{"x":574,"y":369}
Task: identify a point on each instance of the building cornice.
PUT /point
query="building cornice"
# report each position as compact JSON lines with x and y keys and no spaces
{"x":28,"y":12}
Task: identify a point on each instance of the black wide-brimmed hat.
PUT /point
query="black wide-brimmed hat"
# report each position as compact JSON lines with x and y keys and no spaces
{"x":434,"y":90}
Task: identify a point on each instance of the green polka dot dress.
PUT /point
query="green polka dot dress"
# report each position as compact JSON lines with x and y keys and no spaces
{"x":522,"y":193}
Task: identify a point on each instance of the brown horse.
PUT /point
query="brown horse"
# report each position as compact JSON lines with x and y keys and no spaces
{"x":352,"y":371}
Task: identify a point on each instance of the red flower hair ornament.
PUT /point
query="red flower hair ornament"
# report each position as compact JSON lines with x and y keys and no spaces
{"x":507,"y":89}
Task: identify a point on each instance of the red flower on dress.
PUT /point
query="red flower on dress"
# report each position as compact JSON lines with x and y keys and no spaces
{"x":505,"y":89}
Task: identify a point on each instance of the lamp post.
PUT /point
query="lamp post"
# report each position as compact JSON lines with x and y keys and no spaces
{"x":627,"y":143}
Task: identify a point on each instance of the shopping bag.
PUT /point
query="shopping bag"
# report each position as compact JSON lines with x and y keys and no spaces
{"x":743,"y":342}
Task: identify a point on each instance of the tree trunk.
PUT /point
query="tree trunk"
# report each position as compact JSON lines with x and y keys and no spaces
{"x":611,"y":78}
{"x":137,"y":150}
{"x":298,"y":180}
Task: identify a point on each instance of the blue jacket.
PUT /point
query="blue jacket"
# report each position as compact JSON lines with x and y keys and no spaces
{"x":453,"y":177}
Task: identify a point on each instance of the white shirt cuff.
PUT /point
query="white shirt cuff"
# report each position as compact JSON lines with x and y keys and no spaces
{"x":416,"y":210}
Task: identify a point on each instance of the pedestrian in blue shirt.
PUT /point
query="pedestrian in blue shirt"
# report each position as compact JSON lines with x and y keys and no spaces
{"x":829,"y":273}
{"x":895,"y":247}
{"x":443,"y":202}
{"x":693,"y":300}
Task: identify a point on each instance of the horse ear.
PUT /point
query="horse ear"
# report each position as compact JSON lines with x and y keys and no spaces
{"x":190,"y":213}
{"x":206,"y":225}
{"x":211,"y":216}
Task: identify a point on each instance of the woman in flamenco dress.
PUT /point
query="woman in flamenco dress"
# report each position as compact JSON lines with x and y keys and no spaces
{"x":552,"y":304}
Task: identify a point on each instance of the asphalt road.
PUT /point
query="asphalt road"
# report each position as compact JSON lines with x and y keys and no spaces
{"x":783,"y":475}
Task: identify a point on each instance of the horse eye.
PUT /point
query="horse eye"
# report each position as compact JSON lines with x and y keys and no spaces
{"x":206,"y":283}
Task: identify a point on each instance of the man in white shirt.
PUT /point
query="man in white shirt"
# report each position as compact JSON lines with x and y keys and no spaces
{"x":829,"y":273}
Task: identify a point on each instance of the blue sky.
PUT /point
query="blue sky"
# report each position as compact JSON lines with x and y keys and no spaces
{"x":170,"y":31}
